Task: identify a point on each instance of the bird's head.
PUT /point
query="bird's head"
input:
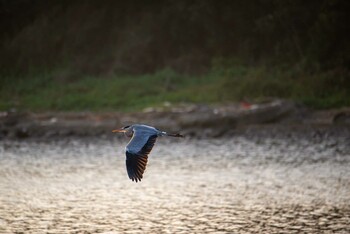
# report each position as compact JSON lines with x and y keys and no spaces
{"x":127,"y":130}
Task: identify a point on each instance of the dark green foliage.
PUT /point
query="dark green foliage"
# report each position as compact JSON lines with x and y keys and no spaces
{"x":130,"y":92}
{"x":99,"y":37}
{"x":77,"y":55}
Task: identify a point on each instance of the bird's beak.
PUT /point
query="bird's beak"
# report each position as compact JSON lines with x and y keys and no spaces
{"x":119,"y":130}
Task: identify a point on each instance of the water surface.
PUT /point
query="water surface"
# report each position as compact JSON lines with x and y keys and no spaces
{"x":190,"y":186}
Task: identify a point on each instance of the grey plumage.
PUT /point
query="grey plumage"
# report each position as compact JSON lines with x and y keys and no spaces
{"x":143,"y":138}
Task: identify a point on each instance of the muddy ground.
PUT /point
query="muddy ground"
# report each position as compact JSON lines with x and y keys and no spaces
{"x":258,"y":179}
{"x":191,"y":119}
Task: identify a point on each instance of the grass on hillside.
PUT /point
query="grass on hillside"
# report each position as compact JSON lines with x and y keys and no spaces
{"x":51,"y":92}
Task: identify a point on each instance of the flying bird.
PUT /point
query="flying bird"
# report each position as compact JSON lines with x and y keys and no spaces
{"x":143,"y":138}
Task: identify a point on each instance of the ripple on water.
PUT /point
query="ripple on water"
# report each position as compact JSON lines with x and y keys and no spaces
{"x":196,"y":186}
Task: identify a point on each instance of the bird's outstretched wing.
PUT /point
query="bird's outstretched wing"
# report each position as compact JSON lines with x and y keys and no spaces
{"x":137,"y":152}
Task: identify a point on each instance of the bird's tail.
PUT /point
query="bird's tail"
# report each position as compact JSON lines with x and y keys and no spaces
{"x":173,"y":134}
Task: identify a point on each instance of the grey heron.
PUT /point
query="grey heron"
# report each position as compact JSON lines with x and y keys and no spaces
{"x":142,"y":141}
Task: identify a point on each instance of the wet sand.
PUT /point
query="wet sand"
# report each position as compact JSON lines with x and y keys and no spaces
{"x":237,"y":184}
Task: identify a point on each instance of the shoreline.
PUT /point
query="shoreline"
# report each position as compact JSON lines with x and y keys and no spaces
{"x":191,"y":120}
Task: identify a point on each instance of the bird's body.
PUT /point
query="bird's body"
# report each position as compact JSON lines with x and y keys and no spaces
{"x":143,"y":138}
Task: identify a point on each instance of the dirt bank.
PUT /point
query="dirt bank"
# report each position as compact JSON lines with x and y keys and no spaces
{"x":192,"y":120}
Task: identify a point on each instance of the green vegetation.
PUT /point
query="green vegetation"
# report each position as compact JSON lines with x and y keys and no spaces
{"x":123,"y":92}
{"x":113,"y":55}
{"x":134,"y":92}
